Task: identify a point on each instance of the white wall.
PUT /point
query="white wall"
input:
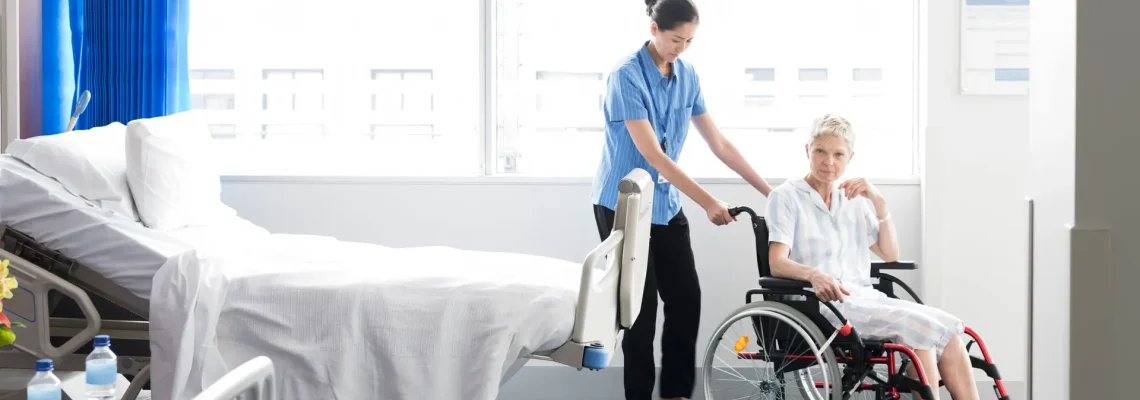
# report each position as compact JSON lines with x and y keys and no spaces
{"x":550,"y":219}
{"x":1103,"y":265}
{"x":974,"y":188}
{"x":1052,"y":108}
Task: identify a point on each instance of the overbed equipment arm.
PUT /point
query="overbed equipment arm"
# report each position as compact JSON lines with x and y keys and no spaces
{"x":613,"y":277}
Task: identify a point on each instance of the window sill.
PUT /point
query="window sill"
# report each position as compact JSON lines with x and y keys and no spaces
{"x":490,"y":180}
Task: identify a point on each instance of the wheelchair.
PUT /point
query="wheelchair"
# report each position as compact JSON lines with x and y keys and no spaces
{"x":805,"y":350}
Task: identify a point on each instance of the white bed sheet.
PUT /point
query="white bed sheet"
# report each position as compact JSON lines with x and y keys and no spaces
{"x":341,"y":320}
{"x":123,"y":251}
{"x":345,"y":320}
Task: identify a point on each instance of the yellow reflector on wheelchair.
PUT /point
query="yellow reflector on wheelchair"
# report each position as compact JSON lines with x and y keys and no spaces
{"x":740,"y":343}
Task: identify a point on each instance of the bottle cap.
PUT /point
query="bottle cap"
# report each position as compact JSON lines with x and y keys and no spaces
{"x":102,"y":340}
{"x":43,"y":365}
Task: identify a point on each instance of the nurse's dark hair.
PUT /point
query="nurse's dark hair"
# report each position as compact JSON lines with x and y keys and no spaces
{"x":670,"y":13}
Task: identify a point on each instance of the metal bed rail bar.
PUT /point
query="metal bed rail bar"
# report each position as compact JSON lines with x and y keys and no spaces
{"x":253,"y":380}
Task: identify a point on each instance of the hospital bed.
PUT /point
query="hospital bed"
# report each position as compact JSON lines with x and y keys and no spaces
{"x":65,"y":303}
{"x":84,"y":271}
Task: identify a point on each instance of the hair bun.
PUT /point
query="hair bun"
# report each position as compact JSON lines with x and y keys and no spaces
{"x":649,"y":7}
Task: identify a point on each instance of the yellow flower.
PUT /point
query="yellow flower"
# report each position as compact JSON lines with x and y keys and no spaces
{"x":6,"y":283}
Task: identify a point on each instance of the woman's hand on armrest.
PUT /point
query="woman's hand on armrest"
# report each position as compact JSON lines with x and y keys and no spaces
{"x":825,"y":286}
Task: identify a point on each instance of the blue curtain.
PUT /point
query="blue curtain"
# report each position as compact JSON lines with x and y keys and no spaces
{"x":130,"y":54}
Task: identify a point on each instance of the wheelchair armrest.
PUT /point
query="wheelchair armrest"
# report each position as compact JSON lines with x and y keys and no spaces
{"x":783,"y":283}
{"x":893,"y":265}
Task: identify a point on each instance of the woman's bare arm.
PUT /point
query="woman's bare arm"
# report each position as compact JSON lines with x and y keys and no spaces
{"x":887,"y":247}
{"x":728,"y":154}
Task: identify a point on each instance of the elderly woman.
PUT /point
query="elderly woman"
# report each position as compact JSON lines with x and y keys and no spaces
{"x":823,"y":231}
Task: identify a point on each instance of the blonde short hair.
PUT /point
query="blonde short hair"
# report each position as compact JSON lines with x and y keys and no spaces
{"x":833,"y":126}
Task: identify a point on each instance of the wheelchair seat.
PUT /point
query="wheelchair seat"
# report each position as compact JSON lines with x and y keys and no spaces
{"x":810,"y":344}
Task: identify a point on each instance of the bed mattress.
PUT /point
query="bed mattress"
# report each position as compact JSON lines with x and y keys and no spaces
{"x":346,"y":320}
{"x":121,"y":250}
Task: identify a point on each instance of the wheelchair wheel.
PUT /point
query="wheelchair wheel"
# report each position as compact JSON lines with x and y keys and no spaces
{"x":769,"y":350}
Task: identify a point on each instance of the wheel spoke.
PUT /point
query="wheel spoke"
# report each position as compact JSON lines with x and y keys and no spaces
{"x":783,"y":340}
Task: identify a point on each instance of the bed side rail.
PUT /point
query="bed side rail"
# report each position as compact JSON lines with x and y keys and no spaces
{"x":110,"y":299}
{"x":613,"y":280}
{"x":252,"y":380}
{"x":29,"y":305}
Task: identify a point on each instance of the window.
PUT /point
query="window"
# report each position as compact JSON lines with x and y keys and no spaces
{"x":299,"y":88}
{"x":402,"y":91}
{"x":293,"y":90}
{"x":551,"y":84}
{"x":212,"y":101}
{"x":509,"y":91}
{"x":223,"y":131}
{"x":765,"y":75}
{"x":813,"y":74}
{"x":761,"y":74}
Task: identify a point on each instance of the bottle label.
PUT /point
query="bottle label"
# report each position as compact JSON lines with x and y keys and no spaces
{"x":101,"y":373}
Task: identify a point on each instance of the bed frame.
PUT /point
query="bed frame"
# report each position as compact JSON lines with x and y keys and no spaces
{"x":613,"y":279}
{"x":253,"y":380}
{"x":65,"y":304}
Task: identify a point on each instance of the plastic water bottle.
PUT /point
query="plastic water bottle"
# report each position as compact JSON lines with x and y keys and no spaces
{"x":44,"y":385}
{"x":102,"y":369}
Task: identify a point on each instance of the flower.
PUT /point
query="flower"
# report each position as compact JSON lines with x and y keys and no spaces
{"x":7,"y":283}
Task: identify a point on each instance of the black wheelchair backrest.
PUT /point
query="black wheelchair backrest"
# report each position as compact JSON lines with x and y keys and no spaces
{"x":760,"y":227}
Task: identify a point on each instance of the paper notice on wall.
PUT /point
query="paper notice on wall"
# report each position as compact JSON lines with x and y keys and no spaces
{"x":995,"y":47}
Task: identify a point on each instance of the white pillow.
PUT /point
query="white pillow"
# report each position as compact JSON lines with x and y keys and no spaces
{"x":171,"y":172}
{"x":90,"y":163}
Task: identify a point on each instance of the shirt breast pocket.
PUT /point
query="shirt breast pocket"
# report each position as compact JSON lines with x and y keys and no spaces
{"x":682,"y":116}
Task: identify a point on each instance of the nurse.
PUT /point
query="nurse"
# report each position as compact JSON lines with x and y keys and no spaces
{"x":651,"y":98}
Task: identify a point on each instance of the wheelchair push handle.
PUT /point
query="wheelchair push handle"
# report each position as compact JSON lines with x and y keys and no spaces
{"x":735,"y":211}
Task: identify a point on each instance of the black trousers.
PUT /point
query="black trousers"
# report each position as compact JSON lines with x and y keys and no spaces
{"x":672,"y":273}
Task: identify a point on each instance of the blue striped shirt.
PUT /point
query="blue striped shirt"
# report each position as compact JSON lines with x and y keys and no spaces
{"x":637,"y":90}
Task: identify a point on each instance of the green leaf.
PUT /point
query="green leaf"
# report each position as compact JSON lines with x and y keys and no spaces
{"x":19,"y":325}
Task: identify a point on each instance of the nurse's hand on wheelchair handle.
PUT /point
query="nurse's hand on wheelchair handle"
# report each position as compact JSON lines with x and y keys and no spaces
{"x":719,"y":214}
{"x":827,"y":288}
